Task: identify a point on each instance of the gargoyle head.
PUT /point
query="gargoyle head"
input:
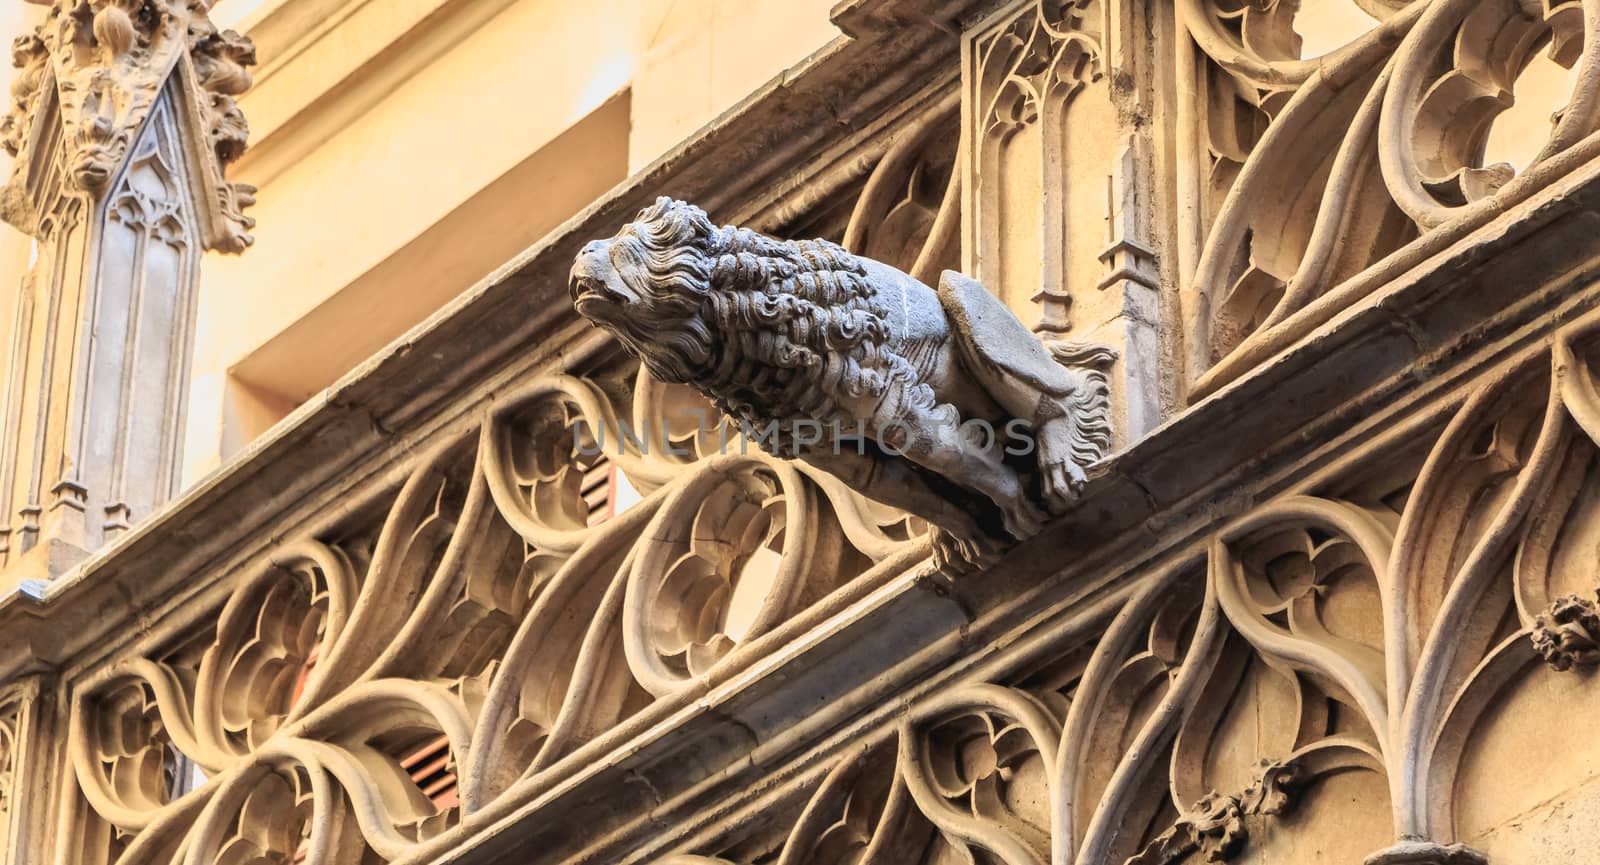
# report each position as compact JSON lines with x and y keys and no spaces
{"x":647,"y":286}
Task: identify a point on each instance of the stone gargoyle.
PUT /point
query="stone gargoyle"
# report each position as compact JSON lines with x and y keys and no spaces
{"x":793,"y":337}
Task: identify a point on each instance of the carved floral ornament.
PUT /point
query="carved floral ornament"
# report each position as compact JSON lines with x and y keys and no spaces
{"x":1324,"y":176}
{"x":88,"y":79}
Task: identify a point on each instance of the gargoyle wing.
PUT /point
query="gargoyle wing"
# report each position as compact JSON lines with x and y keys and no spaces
{"x":999,"y":350}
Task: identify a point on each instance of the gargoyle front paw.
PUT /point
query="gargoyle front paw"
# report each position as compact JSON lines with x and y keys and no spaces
{"x":1063,"y":482}
{"x":958,"y":554}
{"x":1022,"y":518}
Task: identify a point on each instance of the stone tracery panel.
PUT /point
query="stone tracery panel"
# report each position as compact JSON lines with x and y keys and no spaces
{"x":526,"y":633}
{"x":598,"y":543}
{"x":1337,"y":644}
{"x":1319,"y":176}
{"x":1303,"y":686}
{"x":1342,"y":639}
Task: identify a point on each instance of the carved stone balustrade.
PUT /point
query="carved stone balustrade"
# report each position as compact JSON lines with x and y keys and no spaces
{"x":1338,"y":609}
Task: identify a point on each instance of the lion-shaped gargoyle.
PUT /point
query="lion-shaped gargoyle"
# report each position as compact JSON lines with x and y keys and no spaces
{"x":792,"y":337}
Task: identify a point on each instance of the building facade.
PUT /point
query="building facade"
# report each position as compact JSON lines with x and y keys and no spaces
{"x":334,"y":533}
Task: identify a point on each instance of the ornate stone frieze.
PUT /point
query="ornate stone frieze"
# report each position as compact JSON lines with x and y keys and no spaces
{"x":537,"y":627}
{"x":1354,"y":628}
{"x":1367,"y":626}
{"x":579,"y":597}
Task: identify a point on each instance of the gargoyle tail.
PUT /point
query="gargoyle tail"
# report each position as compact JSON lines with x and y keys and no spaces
{"x":1089,"y":405}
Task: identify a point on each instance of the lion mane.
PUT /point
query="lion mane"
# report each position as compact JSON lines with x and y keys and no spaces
{"x":759,"y":323}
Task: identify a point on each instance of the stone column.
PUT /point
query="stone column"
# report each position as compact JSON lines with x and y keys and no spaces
{"x":32,"y":752}
{"x":122,"y":121}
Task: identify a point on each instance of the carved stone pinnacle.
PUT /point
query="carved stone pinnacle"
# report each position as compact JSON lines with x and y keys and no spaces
{"x":99,"y":71}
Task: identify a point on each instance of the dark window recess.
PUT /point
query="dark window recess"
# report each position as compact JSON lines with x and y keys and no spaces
{"x":429,"y":767}
{"x":598,"y":489}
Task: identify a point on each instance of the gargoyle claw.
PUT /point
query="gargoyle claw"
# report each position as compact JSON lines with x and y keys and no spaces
{"x":1022,"y":519}
{"x":1063,"y":483}
{"x":961,"y":554}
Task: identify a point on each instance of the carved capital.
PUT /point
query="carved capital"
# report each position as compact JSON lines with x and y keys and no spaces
{"x":102,"y":66}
